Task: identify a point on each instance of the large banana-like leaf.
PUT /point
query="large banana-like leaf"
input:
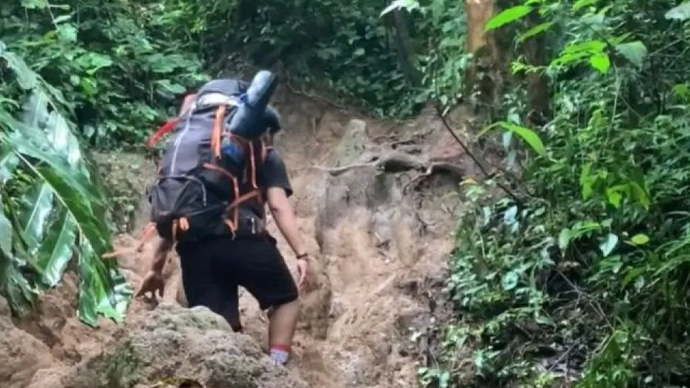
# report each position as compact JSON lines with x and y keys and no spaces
{"x":73,"y":191}
{"x":61,"y":216}
{"x":37,"y":206}
{"x":12,"y":282}
{"x":56,"y":250}
{"x":8,"y":162}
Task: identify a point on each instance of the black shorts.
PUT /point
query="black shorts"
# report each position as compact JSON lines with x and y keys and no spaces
{"x":213,"y":269}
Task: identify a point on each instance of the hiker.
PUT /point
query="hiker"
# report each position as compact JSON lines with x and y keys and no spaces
{"x":230,"y":247}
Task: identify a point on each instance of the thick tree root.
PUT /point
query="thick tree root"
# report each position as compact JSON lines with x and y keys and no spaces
{"x":394,"y":162}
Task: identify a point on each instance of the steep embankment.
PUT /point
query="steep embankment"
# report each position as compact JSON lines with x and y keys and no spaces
{"x":376,"y":217}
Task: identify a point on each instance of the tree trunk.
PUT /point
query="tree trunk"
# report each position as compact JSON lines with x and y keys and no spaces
{"x":483,"y":46}
{"x":537,"y":83}
{"x":402,"y":46}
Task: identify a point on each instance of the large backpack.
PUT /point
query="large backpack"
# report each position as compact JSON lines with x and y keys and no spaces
{"x":218,"y":141}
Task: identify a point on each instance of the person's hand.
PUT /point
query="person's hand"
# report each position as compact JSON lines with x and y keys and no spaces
{"x":303,"y":271}
{"x":152,"y":282}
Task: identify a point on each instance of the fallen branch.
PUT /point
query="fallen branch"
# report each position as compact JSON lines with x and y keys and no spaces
{"x":311,"y":95}
{"x":335,"y":171}
{"x":476,"y":161}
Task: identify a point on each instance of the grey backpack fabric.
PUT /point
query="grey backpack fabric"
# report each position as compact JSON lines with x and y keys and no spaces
{"x":197,"y":192}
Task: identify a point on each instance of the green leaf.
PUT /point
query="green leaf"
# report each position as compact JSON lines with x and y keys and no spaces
{"x":587,"y":181}
{"x":75,"y":192}
{"x":614,"y":195}
{"x":14,"y":285}
{"x":37,"y":206}
{"x":56,"y":250}
{"x":62,"y":18}
{"x":169,"y":87}
{"x":26,"y":78}
{"x":600,"y":62}
{"x":640,"y":239}
{"x":409,"y":5}
{"x":53,"y":124}
{"x":680,"y":12}
{"x":103,"y":290}
{"x":681,"y":90}
{"x":527,"y":135}
{"x":507,"y":16}
{"x":564,"y":239}
{"x":8,"y":163}
{"x":6,"y":233}
{"x":588,"y":47}
{"x":510,"y":280}
{"x":34,"y":4}
{"x":534,"y":31}
{"x":635,"y":52}
{"x":45,"y":145}
{"x":583,"y":3}
{"x":93,"y":62}
{"x":67,"y":33}
{"x":608,"y":244}
{"x":444,"y":379}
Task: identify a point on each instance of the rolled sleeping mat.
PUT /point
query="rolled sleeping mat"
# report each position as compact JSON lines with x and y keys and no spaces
{"x":248,"y":120}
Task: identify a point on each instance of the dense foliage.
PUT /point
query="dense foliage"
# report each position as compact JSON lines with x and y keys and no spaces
{"x":50,"y":204}
{"x":73,"y":76}
{"x":584,"y":278}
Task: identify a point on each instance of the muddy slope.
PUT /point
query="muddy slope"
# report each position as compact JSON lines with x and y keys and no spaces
{"x":375,"y":203}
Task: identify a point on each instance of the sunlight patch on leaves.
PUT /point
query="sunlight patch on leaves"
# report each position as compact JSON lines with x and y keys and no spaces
{"x":635,"y":52}
{"x":680,"y":12}
{"x":507,"y":16}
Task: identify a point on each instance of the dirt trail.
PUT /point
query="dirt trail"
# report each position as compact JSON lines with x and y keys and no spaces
{"x":378,"y":247}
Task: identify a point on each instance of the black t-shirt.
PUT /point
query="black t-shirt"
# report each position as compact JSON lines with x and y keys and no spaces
{"x":272,"y":174}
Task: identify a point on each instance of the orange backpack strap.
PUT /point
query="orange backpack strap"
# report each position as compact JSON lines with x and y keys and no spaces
{"x":164,"y":129}
{"x":235,"y":207}
{"x":218,"y":127}
{"x":186,"y":104}
{"x":171,"y":123}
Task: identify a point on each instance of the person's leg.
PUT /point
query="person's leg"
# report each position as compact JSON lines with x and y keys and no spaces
{"x":266,"y":276}
{"x":202,"y":284}
{"x":281,"y":329}
{"x":231,"y":310}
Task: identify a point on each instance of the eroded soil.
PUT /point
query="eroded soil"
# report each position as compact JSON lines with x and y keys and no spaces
{"x":378,"y":242}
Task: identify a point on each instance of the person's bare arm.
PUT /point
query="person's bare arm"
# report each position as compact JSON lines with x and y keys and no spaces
{"x":153,"y":281}
{"x":160,"y":255}
{"x":284,"y":216}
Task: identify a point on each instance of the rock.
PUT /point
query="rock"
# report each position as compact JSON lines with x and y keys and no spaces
{"x":352,"y":144}
{"x":126,"y":177}
{"x":46,"y":378}
{"x":174,"y":345}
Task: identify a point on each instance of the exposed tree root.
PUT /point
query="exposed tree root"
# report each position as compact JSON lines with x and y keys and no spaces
{"x":433,"y":168}
{"x":400,"y":162}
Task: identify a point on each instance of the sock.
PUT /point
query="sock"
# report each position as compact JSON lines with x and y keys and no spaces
{"x":280,"y":353}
